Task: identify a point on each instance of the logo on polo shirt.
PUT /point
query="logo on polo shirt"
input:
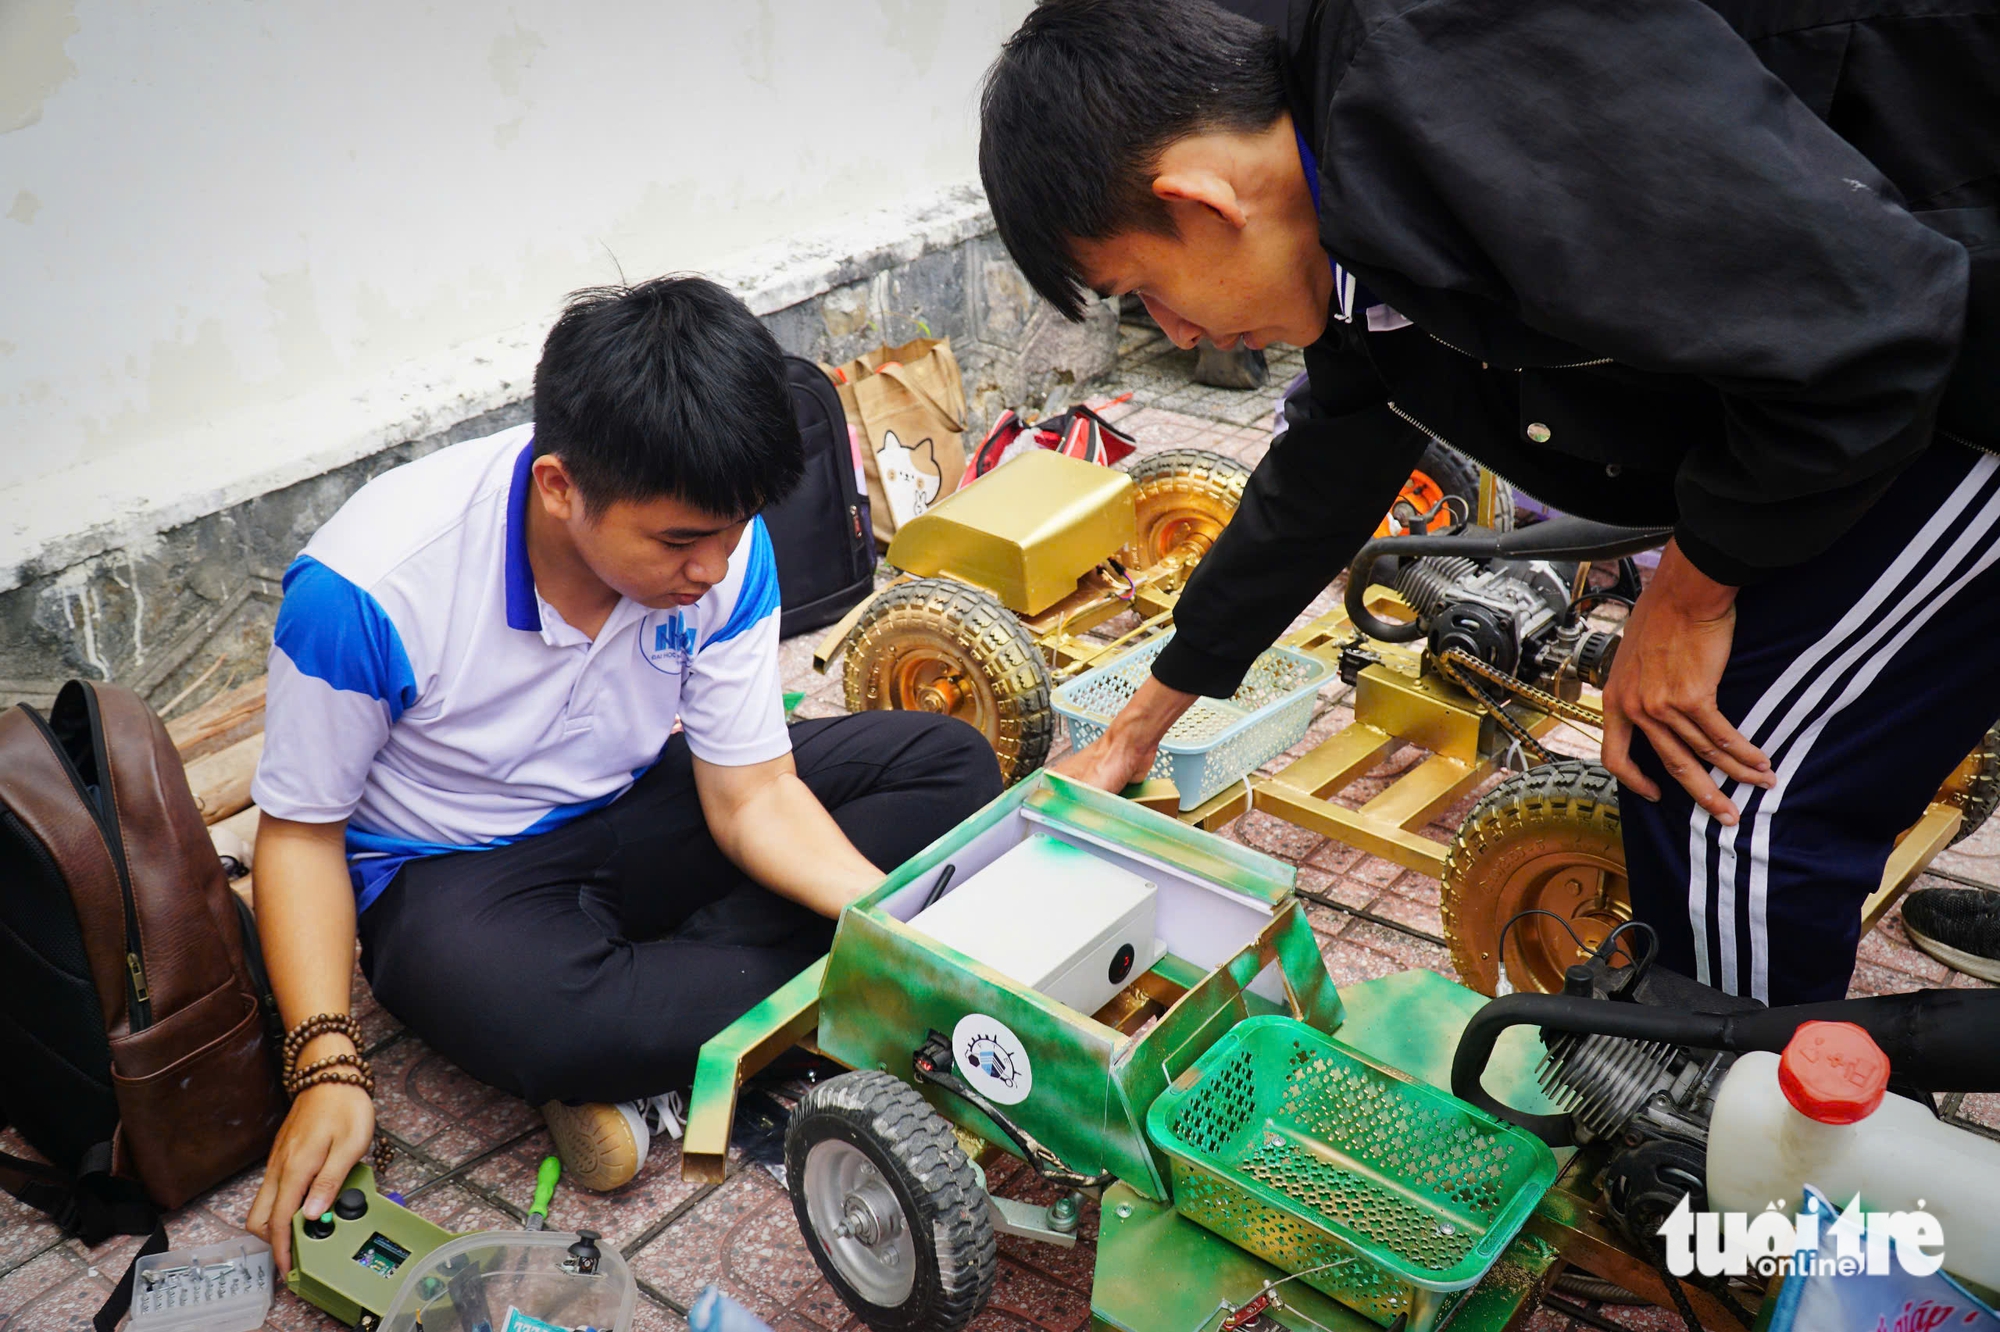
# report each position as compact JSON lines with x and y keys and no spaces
{"x":666,"y":644}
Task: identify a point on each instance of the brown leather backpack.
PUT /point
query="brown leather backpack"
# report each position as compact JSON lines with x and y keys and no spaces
{"x":137,"y":1034}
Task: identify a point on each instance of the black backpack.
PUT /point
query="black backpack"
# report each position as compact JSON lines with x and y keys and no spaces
{"x":821,"y":533}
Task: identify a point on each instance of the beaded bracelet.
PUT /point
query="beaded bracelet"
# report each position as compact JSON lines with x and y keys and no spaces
{"x":296,"y":1080}
{"x":365,"y":1081}
{"x":320,"y":1024}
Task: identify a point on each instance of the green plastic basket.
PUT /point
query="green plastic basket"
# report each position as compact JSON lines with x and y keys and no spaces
{"x":1381,"y":1191}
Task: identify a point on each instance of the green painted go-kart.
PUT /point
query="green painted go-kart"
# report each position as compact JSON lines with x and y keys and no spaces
{"x":1262,"y":1145}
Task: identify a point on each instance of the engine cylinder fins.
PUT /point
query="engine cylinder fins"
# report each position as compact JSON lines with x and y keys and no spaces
{"x":1430,"y":580}
{"x":1602,"y":1081}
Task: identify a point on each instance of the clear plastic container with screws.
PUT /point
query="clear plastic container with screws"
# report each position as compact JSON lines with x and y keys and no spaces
{"x":517,"y":1281}
{"x":222,"y":1287}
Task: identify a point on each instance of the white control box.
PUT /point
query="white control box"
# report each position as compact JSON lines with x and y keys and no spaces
{"x":1053,"y":917}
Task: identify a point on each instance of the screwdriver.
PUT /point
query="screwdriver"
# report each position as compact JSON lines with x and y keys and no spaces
{"x":545,"y":1189}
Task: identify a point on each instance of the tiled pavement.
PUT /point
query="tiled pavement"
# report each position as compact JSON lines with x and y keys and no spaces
{"x":466,"y":1154}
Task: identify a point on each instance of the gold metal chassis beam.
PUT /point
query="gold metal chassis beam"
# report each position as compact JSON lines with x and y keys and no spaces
{"x":1059,"y":631}
{"x":1395,"y":705}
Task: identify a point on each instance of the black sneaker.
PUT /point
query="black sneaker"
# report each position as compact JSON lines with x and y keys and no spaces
{"x":1960,"y":927}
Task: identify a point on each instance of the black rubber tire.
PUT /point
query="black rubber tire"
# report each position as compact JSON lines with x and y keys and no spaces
{"x":968,"y":624}
{"x":917,"y":1153}
{"x":1458,"y":475}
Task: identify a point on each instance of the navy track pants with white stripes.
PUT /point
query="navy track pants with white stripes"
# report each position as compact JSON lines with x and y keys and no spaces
{"x":1865,"y":675}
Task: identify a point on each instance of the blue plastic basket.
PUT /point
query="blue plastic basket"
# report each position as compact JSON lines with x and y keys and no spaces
{"x":1217,"y":741}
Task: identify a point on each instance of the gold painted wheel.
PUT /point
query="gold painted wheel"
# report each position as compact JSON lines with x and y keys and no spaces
{"x":1547,"y":838}
{"x":1186,"y":498}
{"x":1974,"y":786}
{"x":934,"y":645}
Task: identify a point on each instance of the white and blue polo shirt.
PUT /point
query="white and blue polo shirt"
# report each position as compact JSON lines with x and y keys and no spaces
{"x":423,"y":691}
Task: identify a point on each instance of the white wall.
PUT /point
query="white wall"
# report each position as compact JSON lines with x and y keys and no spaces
{"x":232,"y":219}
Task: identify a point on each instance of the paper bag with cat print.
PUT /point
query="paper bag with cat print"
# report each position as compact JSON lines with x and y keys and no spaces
{"x":908,"y":403}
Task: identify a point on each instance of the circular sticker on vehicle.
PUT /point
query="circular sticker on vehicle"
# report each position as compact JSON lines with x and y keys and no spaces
{"x":991,"y":1057}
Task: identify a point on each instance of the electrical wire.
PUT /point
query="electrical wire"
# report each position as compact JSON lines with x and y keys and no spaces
{"x":1596,"y":595}
{"x":1515,"y":919}
{"x":1652,"y":951}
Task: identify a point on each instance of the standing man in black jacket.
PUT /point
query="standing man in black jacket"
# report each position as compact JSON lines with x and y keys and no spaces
{"x":1710,"y":266}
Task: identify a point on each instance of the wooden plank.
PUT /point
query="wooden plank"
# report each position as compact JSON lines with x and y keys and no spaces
{"x":236,"y":835}
{"x":221,"y":781}
{"x":227,"y":719}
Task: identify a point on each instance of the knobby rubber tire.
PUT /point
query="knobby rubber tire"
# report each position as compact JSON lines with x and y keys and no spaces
{"x":1199,"y":485}
{"x":1527,"y":823}
{"x":970,"y":625}
{"x":1982,"y":787}
{"x":919,"y":1156}
{"x":1458,"y":475}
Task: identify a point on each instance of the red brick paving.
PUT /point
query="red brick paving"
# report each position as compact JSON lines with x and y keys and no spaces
{"x":743,"y":1233}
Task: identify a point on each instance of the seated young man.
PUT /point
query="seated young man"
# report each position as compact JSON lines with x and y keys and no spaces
{"x":1729,"y":268}
{"x":471,"y":755}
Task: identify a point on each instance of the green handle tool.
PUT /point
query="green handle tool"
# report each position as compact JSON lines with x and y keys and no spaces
{"x":545,"y":1189}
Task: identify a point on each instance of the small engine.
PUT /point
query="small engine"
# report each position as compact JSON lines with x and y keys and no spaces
{"x":1637,"y":1054}
{"x":1514,"y":615}
{"x":1647,"y":1101}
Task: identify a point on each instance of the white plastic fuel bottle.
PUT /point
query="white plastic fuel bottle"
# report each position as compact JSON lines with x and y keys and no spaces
{"x":1819,"y":1115}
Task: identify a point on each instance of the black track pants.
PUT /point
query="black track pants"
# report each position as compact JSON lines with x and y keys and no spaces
{"x":1866,"y":675}
{"x":591,"y":962}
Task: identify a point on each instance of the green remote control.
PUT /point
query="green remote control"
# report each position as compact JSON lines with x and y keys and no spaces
{"x":349,"y":1260}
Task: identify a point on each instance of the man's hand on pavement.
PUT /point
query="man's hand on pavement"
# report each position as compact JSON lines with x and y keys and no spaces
{"x":1663,"y":684}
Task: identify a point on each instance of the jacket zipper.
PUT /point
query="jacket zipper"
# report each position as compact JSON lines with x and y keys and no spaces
{"x":1567,"y":365}
{"x":1411,"y":420}
{"x":1981,"y":448}
{"x":139,"y":997}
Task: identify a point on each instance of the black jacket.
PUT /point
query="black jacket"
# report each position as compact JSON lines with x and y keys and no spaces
{"x":1716,"y":256}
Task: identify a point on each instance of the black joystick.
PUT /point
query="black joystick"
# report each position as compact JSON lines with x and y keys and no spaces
{"x":317,"y":1227}
{"x":585,"y":1252}
{"x":351,"y":1205}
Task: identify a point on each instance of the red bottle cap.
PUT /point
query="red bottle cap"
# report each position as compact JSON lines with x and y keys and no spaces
{"x":1833,"y":1072}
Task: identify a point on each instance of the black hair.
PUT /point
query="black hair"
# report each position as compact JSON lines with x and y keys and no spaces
{"x":1080,"y":105}
{"x":670,"y":387}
